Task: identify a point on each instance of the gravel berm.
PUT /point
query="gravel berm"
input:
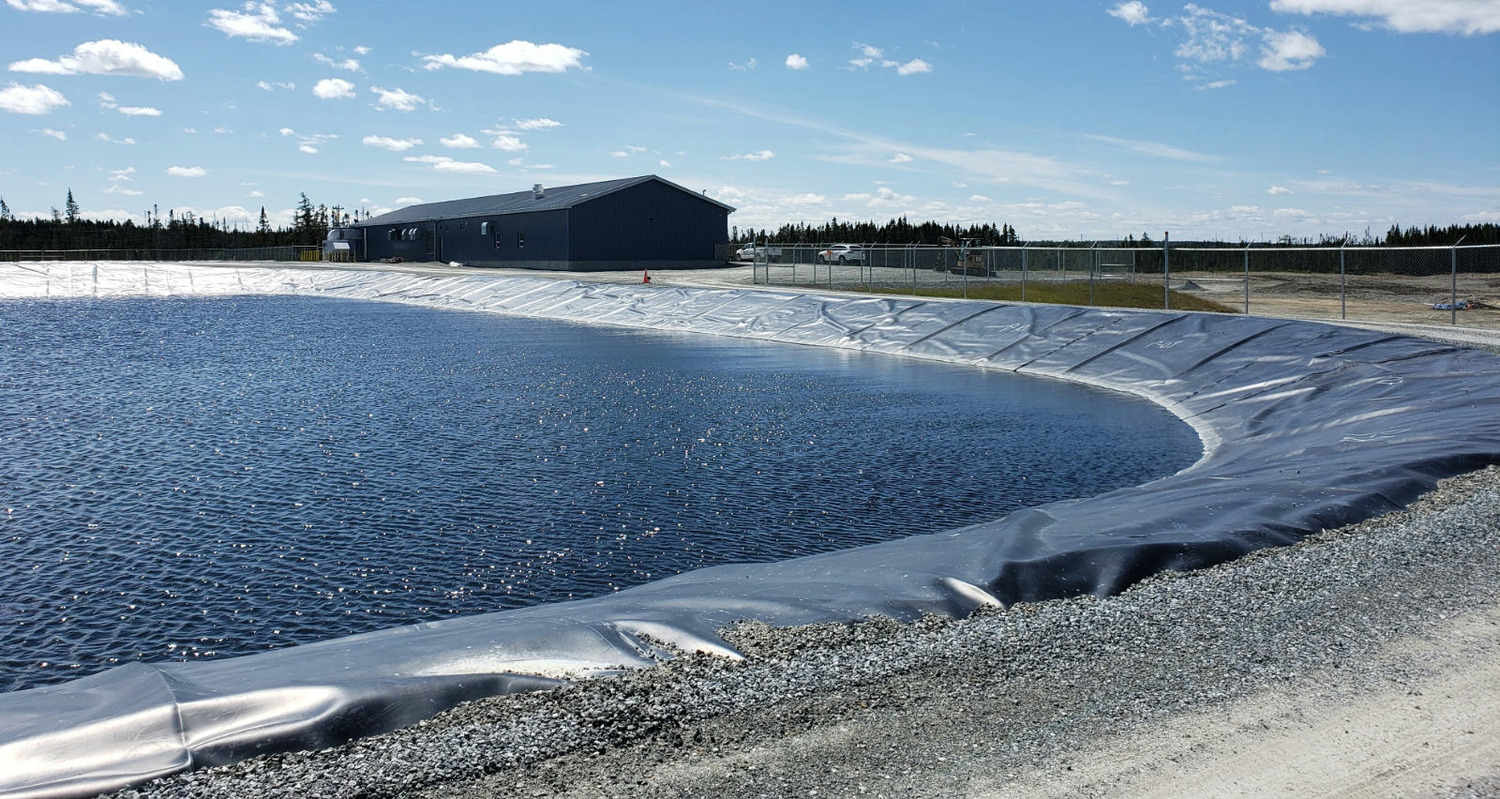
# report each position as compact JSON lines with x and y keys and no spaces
{"x":1363,"y":661}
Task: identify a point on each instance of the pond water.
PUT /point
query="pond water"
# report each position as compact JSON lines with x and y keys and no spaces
{"x":190,"y":478}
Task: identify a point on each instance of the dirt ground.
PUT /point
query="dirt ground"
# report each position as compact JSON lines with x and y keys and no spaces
{"x":1373,"y":298}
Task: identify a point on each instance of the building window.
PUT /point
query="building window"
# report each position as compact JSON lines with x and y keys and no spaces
{"x":484,"y":228}
{"x":497,"y":239}
{"x":520,"y":239}
{"x":392,"y":235}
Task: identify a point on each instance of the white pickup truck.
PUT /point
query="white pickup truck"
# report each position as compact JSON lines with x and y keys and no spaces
{"x":757,"y":252}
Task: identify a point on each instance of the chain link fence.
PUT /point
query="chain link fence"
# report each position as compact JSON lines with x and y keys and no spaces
{"x":1458,"y":285}
{"x":285,"y":253}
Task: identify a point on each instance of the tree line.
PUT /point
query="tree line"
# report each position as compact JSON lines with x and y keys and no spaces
{"x":68,"y":230}
{"x":901,"y":231}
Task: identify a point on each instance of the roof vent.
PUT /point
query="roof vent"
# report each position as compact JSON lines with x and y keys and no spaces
{"x":537,"y":192}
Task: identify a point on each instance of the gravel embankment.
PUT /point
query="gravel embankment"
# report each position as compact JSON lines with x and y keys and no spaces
{"x":1009,"y":701}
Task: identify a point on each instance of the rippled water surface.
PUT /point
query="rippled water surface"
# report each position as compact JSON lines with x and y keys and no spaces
{"x":195,"y":478}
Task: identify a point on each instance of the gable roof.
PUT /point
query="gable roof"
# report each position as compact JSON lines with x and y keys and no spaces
{"x":554,"y":198}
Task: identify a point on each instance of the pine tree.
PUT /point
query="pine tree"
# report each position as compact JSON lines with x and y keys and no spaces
{"x":71,"y":208}
{"x":4,"y":211}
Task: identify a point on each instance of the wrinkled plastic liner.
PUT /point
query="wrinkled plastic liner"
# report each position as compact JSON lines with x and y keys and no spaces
{"x":1305,"y":426}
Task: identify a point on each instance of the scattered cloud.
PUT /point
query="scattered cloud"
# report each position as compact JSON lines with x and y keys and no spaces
{"x":514,"y":58}
{"x":139,"y":111}
{"x":100,"y":7}
{"x":459,"y":141}
{"x":53,"y":134}
{"x":870,"y":55}
{"x":105,"y":57}
{"x":347,"y":64}
{"x":333,"y":89}
{"x":758,"y":155}
{"x":1275,"y":190}
{"x":664,"y":163}
{"x":309,"y":143}
{"x":38,"y":99}
{"x":443,"y":163}
{"x":1289,"y":50}
{"x":105,"y":137}
{"x":1134,"y":13}
{"x":807,"y":199}
{"x":259,"y":22}
{"x":508,"y":143}
{"x":884,"y":197}
{"x":396,"y":99}
{"x":540,"y":123}
{"x":310,"y":13}
{"x":1212,"y":38}
{"x":1467,"y":17}
{"x":630,"y":149}
{"x":980,"y":198}
{"x":187,"y":171}
{"x":388,"y":143}
{"x":901,"y":158}
{"x":795,"y":61}
{"x":745,"y":67}
{"x":271,"y":87}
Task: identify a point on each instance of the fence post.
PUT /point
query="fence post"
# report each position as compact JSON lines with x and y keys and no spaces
{"x":1166,"y":270}
{"x":1343,"y":285}
{"x":1247,"y":279}
{"x":1453,"y":280}
{"x":1093,"y":264}
{"x":1023,"y":273}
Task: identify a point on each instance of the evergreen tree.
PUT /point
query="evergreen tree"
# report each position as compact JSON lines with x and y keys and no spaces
{"x":71,"y":208}
{"x":4,"y":211}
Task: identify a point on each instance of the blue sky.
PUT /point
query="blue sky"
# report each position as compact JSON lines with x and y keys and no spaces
{"x":1062,"y":119}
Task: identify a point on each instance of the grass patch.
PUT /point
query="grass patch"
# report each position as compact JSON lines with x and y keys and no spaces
{"x":1106,"y":295}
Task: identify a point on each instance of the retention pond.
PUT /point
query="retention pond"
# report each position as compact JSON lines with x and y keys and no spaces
{"x":197,"y":478}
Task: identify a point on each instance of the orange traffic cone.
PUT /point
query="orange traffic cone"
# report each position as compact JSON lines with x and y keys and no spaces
{"x":646,"y":276}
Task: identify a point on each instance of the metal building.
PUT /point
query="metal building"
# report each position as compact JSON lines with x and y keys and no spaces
{"x":631,"y":223}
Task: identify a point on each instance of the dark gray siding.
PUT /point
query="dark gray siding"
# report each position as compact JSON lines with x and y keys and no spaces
{"x":538,"y":239}
{"x":648,"y":224}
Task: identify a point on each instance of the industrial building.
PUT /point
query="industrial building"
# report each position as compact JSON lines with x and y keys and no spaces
{"x":631,"y":223}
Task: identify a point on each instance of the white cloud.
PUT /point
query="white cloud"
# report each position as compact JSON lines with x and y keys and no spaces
{"x":348,"y":64}
{"x":55,"y":134}
{"x":630,"y":149}
{"x":664,"y":163}
{"x":807,"y":199}
{"x":38,"y":99}
{"x":106,"y":137}
{"x":514,"y":58}
{"x":362,"y":50}
{"x":916,"y":66}
{"x":116,"y":188}
{"x":397,"y":99}
{"x":187,"y":171}
{"x":271,"y":87}
{"x":868,"y":54}
{"x":1468,"y":17}
{"x":745,"y":67}
{"x":540,"y":123}
{"x":795,"y":61}
{"x":459,"y":141}
{"x":508,"y":143}
{"x":884,"y":197}
{"x":139,"y":111}
{"x":900,"y":158}
{"x":333,"y":89}
{"x":105,"y":57}
{"x":443,"y":163}
{"x":759,"y":155}
{"x":256,"y":194}
{"x":68,"y":7}
{"x":310,"y":13}
{"x":388,"y":143}
{"x":1154,"y":149}
{"x":122,"y":174}
{"x":1275,"y":190}
{"x":308,"y":143}
{"x":979,"y":198}
{"x":259,"y":22}
{"x":1289,"y":50}
{"x":1133,"y":12}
